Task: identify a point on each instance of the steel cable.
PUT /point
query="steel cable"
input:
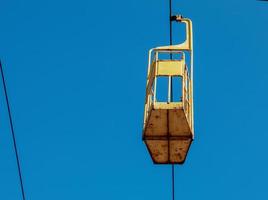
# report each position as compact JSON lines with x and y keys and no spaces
{"x":171,"y":95}
{"x":12,"y":132}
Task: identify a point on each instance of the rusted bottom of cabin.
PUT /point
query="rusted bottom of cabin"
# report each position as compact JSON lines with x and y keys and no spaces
{"x":167,"y":133}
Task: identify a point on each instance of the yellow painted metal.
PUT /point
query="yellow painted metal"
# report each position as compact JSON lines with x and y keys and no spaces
{"x":168,"y":106}
{"x":187,"y":45}
{"x":168,"y":128}
{"x":169,"y":67}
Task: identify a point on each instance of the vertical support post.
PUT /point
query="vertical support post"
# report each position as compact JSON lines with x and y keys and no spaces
{"x":192,"y":89}
{"x":155,"y":77}
{"x":169,"y":89}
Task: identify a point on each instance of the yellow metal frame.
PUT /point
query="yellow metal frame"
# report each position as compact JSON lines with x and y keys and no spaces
{"x":157,"y":67}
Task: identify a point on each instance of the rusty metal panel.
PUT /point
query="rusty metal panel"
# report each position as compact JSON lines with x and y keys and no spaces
{"x":158,"y":150}
{"x":178,"y":150}
{"x":167,"y":133}
{"x":156,"y":124}
{"x":168,"y":151}
{"x":178,"y":123}
{"x":167,"y":119}
{"x":170,"y":67}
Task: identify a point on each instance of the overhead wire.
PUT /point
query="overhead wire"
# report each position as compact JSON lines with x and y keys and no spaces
{"x":171,"y":95}
{"x":12,"y":133}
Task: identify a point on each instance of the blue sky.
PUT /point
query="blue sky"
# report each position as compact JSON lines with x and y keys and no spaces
{"x":76,"y":75}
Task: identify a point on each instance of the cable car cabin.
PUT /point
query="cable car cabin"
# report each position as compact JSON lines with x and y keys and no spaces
{"x":168,"y":128}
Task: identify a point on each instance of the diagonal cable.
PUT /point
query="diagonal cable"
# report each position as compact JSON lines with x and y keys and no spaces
{"x":12,"y":132}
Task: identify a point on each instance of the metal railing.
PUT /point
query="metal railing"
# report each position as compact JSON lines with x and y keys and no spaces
{"x":151,"y":85}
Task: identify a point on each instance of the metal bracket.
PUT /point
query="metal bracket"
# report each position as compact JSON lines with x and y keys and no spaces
{"x":176,"y":18}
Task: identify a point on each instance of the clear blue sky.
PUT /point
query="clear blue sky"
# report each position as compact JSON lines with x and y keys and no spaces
{"x":76,"y":75}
